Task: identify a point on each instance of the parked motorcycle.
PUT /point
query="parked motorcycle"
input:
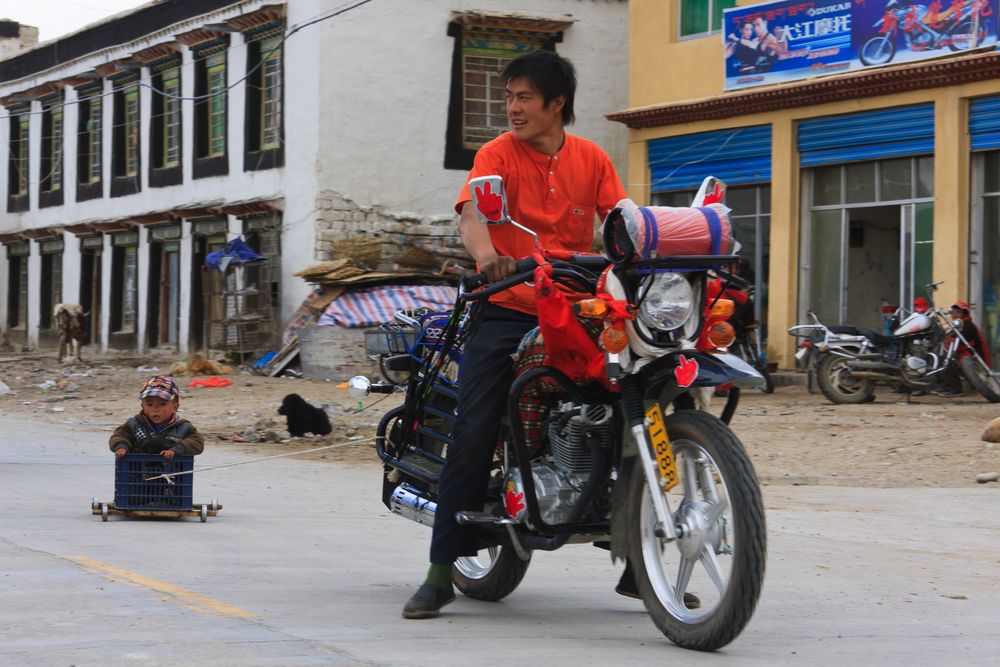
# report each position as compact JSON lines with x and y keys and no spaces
{"x":921,"y":348}
{"x":958,"y":28}
{"x":675,"y":494}
{"x":747,"y":343}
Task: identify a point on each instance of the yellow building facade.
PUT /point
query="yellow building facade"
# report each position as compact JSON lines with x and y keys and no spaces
{"x":855,"y":189}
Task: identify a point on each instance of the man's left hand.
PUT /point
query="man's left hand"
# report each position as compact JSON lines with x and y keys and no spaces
{"x":167,"y":454}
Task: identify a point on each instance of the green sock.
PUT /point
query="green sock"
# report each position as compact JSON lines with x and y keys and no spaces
{"x":439,"y":576}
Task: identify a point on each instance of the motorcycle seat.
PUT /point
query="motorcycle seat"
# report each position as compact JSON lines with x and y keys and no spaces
{"x":877,"y":339}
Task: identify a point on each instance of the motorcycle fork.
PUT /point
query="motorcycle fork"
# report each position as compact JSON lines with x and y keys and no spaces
{"x":635,"y":414}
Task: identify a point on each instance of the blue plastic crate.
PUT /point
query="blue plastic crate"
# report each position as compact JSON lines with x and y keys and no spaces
{"x":135,"y":491}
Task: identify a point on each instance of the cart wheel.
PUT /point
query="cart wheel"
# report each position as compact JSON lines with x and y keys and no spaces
{"x":104,"y":511}
{"x":214,"y":506}
{"x":94,"y":503}
{"x":204,"y":513}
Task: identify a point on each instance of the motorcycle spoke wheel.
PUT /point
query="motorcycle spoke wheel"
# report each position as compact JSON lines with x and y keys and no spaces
{"x":877,"y":51}
{"x":981,"y":378}
{"x":491,"y":575}
{"x":839,"y":386}
{"x":720,"y":551}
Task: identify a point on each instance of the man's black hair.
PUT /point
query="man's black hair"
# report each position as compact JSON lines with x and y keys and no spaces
{"x":550,"y":74}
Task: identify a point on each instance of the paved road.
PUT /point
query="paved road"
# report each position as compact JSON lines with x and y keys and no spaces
{"x":304,"y":566}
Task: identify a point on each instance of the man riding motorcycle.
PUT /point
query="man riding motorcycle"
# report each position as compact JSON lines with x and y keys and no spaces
{"x":561,"y":182}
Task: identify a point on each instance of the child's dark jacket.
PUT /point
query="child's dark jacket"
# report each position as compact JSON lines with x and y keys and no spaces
{"x":138,"y":436}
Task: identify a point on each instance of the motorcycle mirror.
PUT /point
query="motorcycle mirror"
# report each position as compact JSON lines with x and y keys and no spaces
{"x":359,"y":386}
{"x":489,"y":199}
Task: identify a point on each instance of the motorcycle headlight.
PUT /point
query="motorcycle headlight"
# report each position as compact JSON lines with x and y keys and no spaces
{"x":667,"y":301}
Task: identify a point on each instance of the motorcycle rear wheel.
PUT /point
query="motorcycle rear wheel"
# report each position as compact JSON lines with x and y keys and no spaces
{"x":720,"y":556}
{"x":490,"y":575}
{"x":981,"y":378}
{"x":838,"y":386}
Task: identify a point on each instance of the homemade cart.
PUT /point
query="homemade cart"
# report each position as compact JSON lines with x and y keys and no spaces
{"x":138,"y":494}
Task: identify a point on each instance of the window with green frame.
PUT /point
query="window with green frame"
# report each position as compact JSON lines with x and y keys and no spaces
{"x":52,"y":143}
{"x":702,"y":17}
{"x":18,"y":160}
{"x":89,"y":137}
{"x":270,"y":92}
{"x":215,"y":68}
{"x":171,"y":148}
{"x":132,"y":132}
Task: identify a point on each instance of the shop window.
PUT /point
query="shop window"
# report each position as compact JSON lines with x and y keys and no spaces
{"x":264,"y":103}
{"x":124,"y":282}
{"x":210,"y":110}
{"x":50,"y":181}
{"x":17,"y":285}
{"x":125,"y":142}
{"x":89,"y":126}
{"x":50,"y":291}
{"x":702,"y":17}
{"x":477,"y":109}
{"x":165,"y":125}
{"x":17,"y":170}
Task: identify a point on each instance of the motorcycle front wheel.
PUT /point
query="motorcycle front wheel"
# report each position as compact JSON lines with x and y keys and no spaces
{"x":721,"y":551}
{"x":877,"y":50}
{"x":490,"y":575}
{"x":962,"y":36}
{"x":981,"y":378}
{"x":839,"y":386}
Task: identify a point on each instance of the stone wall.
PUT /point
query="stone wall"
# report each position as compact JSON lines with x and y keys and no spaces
{"x":339,"y":217}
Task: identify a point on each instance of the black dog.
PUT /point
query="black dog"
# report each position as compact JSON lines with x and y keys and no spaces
{"x":302,"y":417}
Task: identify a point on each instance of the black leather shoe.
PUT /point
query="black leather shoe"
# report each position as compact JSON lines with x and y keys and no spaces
{"x":427,"y":601}
{"x":626,"y":586}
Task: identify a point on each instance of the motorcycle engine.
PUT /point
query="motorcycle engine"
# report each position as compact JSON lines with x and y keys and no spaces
{"x":919,"y":361}
{"x":562,"y":471}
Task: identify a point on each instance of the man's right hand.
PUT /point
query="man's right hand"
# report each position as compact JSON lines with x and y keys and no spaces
{"x":121,"y":452}
{"x":498,"y":267}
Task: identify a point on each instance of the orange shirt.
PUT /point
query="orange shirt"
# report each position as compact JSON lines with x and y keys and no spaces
{"x":556,"y":196}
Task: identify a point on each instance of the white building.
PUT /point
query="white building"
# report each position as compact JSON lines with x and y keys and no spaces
{"x":135,"y":146}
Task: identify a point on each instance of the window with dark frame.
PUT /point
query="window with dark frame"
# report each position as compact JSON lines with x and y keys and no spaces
{"x":165,"y":124}
{"x":125,"y":138}
{"x":17,"y":285}
{"x":264,"y":99}
{"x":210,"y":109}
{"x":51,"y":164}
{"x":89,"y":128}
{"x":17,"y":161}
{"x":477,"y":110}
{"x":124,"y":282}
{"x":50,"y":293}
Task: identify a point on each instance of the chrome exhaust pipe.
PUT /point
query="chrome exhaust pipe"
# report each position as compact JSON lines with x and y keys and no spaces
{"x":408,"y":503}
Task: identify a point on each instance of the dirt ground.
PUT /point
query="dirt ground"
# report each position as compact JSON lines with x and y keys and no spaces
{"x":793,"y":437}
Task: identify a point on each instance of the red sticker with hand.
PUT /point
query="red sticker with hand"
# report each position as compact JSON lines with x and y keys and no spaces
{"x":490,"y":204}
{"x":686,"y":371}
{"x":514,"y":503}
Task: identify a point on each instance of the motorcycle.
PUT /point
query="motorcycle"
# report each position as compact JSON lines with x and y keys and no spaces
{"x":923,"y":346}
{"x":820,"y":341}
{"x":670,"y":490}
{"x":747,"y":344}
{"x":924,"y":29}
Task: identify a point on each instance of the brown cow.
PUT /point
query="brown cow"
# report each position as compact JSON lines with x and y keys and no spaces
{"x":70,"y":320}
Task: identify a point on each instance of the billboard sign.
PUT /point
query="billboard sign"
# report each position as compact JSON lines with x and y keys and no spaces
{"x":788,"y":40}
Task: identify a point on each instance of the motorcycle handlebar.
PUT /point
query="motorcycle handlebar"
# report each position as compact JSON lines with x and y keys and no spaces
{"x":524,"y":270}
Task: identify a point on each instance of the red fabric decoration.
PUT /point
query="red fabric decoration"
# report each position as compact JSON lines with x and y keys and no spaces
{"x":567,"y":345}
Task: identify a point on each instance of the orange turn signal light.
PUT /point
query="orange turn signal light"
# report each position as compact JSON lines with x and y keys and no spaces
{"x":721,"y":334}
{"x":591,"y":308}
{"x":614,"y":340}
{"x":723,"y":308}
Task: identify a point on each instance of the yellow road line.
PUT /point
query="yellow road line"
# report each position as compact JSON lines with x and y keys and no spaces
{"x":168,"y":592}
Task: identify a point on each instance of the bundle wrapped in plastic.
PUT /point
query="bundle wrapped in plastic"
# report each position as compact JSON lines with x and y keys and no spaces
{"x":635,"y":233}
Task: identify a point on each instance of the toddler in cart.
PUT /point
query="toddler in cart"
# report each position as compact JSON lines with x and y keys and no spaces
{"x":157,"y":429}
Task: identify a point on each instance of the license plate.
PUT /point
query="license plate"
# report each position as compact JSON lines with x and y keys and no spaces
{"x":661,"y":446}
